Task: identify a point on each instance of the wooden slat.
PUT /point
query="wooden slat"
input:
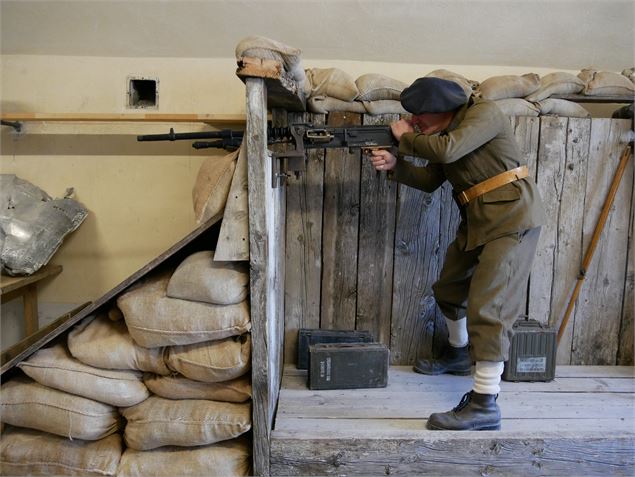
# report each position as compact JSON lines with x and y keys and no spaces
{"x":550,"y":173}
{"x":304,"y":244}
{"x":415,"y":270}
{"x":267,"y":274}
{"x":599,"y":306}
{"x":627,"y":329}
{"x":376,"y":244}
{"x":340,"y":231}
{"x":233,"y":239}
{"x":437,"y":455}
{"x":127,"y":117}
{"x":580,"y":98}
{"x":9,"y":284}
{"x":568,"y":246}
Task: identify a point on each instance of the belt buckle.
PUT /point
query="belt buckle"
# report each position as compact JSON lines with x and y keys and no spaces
{"x":462,"y":198}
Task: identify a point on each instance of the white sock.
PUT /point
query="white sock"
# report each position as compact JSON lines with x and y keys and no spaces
{"x":487,"y":377}
{"x":457,"y":332}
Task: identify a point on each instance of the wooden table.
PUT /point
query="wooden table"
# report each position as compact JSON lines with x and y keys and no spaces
{"x":26,"y":287}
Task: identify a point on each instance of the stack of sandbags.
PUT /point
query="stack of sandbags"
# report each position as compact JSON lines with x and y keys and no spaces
{"x":65,"y":414}
{"x":606,"y":83}
{"x":198,"y":317}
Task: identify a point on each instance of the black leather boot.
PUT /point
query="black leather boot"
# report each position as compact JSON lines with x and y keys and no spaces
{"x":475,"y":412}
{"x":452,"y":361}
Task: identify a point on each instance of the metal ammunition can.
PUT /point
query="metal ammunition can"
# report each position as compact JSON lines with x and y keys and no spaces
{"x":348,"y":366}
{"x":308,"y":337}
{"x":532,"y":352}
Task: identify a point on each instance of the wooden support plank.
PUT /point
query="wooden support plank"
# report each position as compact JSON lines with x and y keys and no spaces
{"x":627,"y":327}
{"x":568,"y":246}
{"x":340,"y":231}
{"x":550,"y":174}
{"x":10,"y":284}
{"x":378,"y":201}
{"x":436,"y":454}
{"x":526,"y":132}
{"x":599,"y":307}
{"x":127,"y":117}
{"x":304,"y":244}
{"x":416,"y":269}
{"x":233,"y":240}
{"x":267,"y":274}
{"x":580,"y":98}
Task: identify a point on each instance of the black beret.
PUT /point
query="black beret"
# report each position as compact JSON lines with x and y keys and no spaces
{"x":432,"y":95}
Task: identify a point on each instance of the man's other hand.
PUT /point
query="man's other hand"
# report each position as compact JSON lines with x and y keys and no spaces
{"x":401,"y":127}
{"x":383,"y":160}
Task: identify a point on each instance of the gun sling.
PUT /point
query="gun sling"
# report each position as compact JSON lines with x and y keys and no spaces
{"x":491,"y":184}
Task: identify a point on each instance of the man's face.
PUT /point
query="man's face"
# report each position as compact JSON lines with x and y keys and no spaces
{"x":429,"y":123}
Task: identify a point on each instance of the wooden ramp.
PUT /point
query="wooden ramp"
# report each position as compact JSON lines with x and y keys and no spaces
{"x":580,"y":424}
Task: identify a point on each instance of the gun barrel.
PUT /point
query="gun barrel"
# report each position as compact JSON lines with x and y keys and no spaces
{"x":172,"y":136}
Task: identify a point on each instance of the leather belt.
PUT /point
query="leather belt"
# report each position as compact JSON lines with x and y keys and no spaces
{"x":491,"y":184}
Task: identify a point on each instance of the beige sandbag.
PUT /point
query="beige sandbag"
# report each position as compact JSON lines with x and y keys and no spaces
{"x":629,"y":73}
{"x":374,"y":87}
{"x":29,"y":452}
{"x":385,"y":106}
{"x":213,"y":180}
{"x":56,"y":368}
{"x":556,"y":83}
{"x":212,"y":361}
{"x":158,"y":422}
{"x":607,"y":83}
{"x":587,"y":74}
{"x":227,"y":458}
{"x":155,"y":320}
{"x":517,"y":107}
{"x":326,"y":104}
{"x":509,"y":86}
{"x":469,"y":86}
{"x":561,"y":107}
{"x":262,"y":47}
{"x":99,"y":342}
{"x":332,"y":82}
{"x":200,"y":278}
{"x":180,"y":387}
{"x":26,"y":403}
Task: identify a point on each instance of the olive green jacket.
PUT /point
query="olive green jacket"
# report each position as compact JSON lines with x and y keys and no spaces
{"x":478,"y":144}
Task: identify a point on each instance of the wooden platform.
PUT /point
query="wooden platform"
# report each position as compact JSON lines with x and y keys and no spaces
{"x":582,"y":423}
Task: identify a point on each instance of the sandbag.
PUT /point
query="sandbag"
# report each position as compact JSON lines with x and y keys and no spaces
{"x":154,"y":319}
{"x":385,"y":106}
{"x":200,"y":278}
{"x":509,"y":86}
{"x":586,"y":74}
{"x":556,"y":83}
{"x":331,"y":82}
{"x":561,"y":107}
{"x":211,"y":187}
{"x":374,"y":87}
{"x":266,"y":48}
{"x":56,"y":368}
{"x":228,"y":458}
{"x":469,"y":86}
{"x":29,"y":452}
{"x":99,"y":342}
{"x":607,"y":83}
{"x":517,"y":107}
{"x":26,"y":403}
{"x":158,"y":422}
{"x":180,"y":387}
{"x":212,"y":361}
{"x":326,"y":104}
{"x":629,"y":73}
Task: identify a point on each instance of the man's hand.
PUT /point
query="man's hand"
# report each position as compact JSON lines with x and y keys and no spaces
{"x":383,"y":160}
{"x":401,"y":127}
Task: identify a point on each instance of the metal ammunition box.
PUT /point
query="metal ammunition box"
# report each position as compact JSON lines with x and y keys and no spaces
{"x":532,"y":352}
{"x":308,"y":337}
{"x":348,"y":366}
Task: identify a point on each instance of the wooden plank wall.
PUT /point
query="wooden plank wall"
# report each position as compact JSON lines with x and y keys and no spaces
{"x":363,"y":252}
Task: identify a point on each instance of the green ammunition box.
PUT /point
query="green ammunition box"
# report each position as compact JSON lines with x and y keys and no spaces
{"x":308,"y":337}
{"x":348,"y":366}
{"x":532,"y":352}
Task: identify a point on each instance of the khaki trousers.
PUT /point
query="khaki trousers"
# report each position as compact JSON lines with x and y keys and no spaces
{"x":488,"y":285}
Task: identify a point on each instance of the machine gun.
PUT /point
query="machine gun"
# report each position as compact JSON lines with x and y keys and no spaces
{"x":302,"y":136}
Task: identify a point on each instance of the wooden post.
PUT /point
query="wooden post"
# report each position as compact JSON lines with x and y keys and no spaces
{"x":266,"y":247}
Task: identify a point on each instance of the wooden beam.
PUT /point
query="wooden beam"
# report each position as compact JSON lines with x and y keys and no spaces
{"x":126,"y":117}
{"x":581,"y":98}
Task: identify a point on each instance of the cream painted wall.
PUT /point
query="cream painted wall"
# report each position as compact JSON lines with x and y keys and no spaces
{"x":138,"y":194}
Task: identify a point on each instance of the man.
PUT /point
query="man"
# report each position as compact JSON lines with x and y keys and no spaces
{"x":470,"y":143}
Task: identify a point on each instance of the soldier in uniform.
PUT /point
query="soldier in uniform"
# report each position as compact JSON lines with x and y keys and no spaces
{"x":470,"y":143}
